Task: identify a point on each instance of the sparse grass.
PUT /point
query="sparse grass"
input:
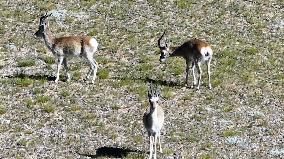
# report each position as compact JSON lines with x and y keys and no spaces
{"x":26,"y":63}
{"x":206,"y":146}
{"x":2,"y":110}
{"x":246,"y":76}
{"x":122,"y":82}
{"x":77,"y":75}
{"x":29,"y":103}
{"x":229,"y":133}
{"x":138,"y":139}
{"x":183,"y":4}
{"x":65,"y":93}
{"x":103,"y":73}
{"x":251,"y":51}
{"x":102,"y":60}
{"x":38,"y":90}
{"x":49,"y":60}
{"x":228,"y":108}
{"x":42,"y":99}
{"x":2,"y":30}
{"x":187,"y":97}
{"x":22,"y":142}
{"x":48,"y":108}
{"x":206,"y":156}
{"x":115,"y":107}
{"x":23,"y":82}
{"x":74,"y":108}
{"x":167,"y":151}
{"x":167,"y":93}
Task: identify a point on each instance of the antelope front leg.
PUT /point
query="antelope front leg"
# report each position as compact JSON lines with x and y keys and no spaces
{"x":59,"y":63}
{"x":151,"y":147}
{"x":160,"y":145}
{"x":155,"y":146}
{"x":187,"y":73}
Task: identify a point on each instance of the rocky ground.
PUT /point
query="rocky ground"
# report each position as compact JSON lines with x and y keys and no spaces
{"x":241,"y":117}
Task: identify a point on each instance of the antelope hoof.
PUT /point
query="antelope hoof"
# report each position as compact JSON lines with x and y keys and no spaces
{"x":68,"y":77}
{"x":210,"y":87}
{"x":187,"y":85}
{"x":92,"y":81}
{"x":197,"y":88}
{"x":56,"y":80}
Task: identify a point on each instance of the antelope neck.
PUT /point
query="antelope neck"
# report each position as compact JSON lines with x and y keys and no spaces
{"x":153,"y":106}
{"x":48,"y":39}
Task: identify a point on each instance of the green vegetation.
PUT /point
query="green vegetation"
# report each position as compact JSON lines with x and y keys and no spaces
{"x":23,"y":82}
{"x":42,"y":99}
{"x":49,"y":108}
{"x":229,"y":133}
{"x":26,"y":63}
{"x":49,"y":60}
{"x":247,"y":79}
{"x":167,"y":93}
{"x":65,"y":93}
{"x":207,"y":156}
{"x":103,"y":73}
{"x":2,"y":110}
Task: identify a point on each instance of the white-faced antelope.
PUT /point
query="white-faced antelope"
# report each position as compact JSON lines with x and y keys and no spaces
{"x":194,"y":52}
{"x":153,"y":120}
{"x":63,"y":47}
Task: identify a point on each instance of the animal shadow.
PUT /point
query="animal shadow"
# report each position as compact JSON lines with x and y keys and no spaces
{"x":162,"y":82}
{"x":111,"y":152}
{"x":35,"y":77}
{"x":154,"y":81}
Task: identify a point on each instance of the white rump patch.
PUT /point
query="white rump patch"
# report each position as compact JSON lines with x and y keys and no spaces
{"x":94,"y":43}
{"x":206,"y":53}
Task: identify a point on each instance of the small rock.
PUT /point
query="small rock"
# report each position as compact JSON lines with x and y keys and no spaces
{"x":11,"y":46}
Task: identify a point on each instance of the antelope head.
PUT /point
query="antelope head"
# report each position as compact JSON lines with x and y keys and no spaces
{"x":153,"y":95}
{"x":43,"y":25}
{"x":164,"y":49}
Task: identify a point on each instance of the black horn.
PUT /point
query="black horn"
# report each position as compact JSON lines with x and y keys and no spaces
{"x":159,"y":41}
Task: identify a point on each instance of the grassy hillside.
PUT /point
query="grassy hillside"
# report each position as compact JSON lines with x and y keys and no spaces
{"x":241,"y":117}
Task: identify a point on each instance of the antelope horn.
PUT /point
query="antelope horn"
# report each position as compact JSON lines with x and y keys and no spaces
{"x":46,"y":15}
{"x":150,"y":91}
{"x":159,"y":41}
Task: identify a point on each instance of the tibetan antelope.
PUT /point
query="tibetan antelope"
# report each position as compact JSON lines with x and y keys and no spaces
{"x":194,"y":52}
{"x":153,"y":120}
{"x":63,"y":47}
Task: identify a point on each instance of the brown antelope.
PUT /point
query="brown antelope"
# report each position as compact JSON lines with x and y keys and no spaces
{"x":194,"y":52}
{"x":63,"y":47}
{"x":153,"y":120}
